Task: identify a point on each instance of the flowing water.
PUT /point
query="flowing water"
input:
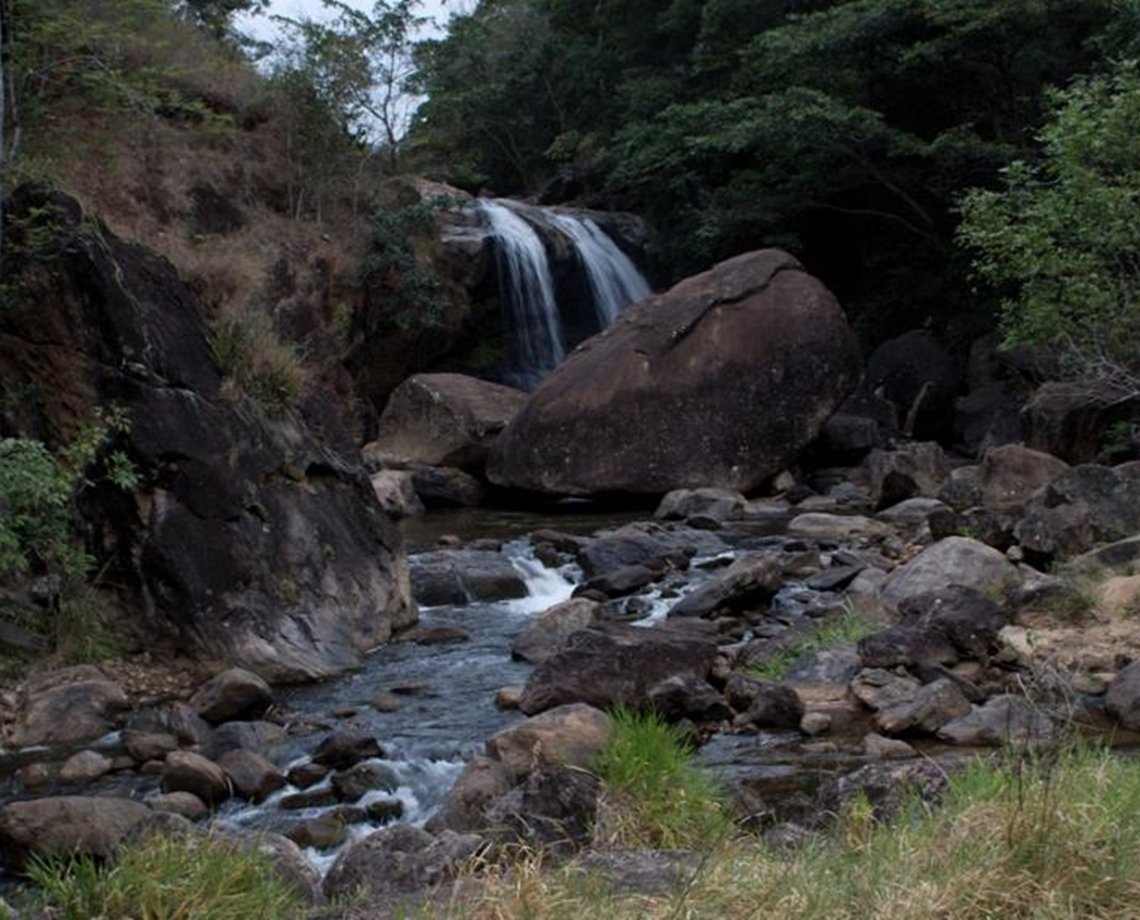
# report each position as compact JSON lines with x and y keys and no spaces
{"x":614,"y":280}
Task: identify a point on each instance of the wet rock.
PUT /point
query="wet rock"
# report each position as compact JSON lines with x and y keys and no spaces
{"x":381,"y":811}
{"x":396,"y":492}
{"x":305,"y":775}
{"x":288,"y":861}
{"x":835,"y":578}
{"x":253,"y":777}
{"x":554,"y":809}
{"x":84,"y":767}
{"x":185,"y":771}
{"x":572,"y":735}
{"x":184,"y":804}
{"x":444,"y":420}
{"x":144,"y":746}
{"x":464,"y":808}
{"x":462,"y":576}
{"x":346,"y":746}
{"x":508,"y":697}
{"x":246,"y":736}
{"x":754,"y":331}
{"x":69,"y":705}
{"x":651,"y":545}
{"x":952,"y":561}
{"x":352,"y":783}
{"x":398,"y":860}
{"x":310,"y":798}
{"x":749,"y":583}
{"x":66,"y":826}
{"x":444,"y":487}
{"x":1123,"y":698}
{"x":1003,"y":720}
{"x":683,"y":696}
{"x":717,"y":504}
{"x":622,"y":581}
{"x":322,"y":832}
{"x":931,"y":707}
{"x":232,"y":694}
{"x":615,"y":665}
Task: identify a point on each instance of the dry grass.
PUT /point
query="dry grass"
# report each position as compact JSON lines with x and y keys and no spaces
{"x":1050,"y":839}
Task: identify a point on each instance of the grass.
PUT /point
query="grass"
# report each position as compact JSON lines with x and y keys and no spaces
{"x":655,"y":796}
{"x":847,"y":628}
{"x":168,"y":878}
{"x":253,"y":358}
{"x":1046,"y":839}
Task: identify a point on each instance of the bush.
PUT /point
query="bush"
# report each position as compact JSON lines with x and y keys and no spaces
{"x":255,"y":360}
{"x":659,"y":798}
{"x":1061,"y":240}
{"x":166,"y":878}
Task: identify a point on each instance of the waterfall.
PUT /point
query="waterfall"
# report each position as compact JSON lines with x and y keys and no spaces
{"x":614,"y":279}
{"x":528,"y":289}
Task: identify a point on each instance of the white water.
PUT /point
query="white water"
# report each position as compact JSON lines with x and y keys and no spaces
{"x":528,"y":289}
{"x":614,"y":279}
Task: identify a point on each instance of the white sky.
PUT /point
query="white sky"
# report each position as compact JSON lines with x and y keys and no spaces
{"x":262,"y":27}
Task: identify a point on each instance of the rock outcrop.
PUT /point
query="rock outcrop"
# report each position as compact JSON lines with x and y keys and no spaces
{"x":719,"y":382}
{"x":249,"y":539}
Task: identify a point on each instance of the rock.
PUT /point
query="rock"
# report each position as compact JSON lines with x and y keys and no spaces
{"x":84,"y":767}
{"x":144,"y":746}
{"x":396,"y":492}
{"x":878,"y":688}
{"x":249,"y":539}
{"x":1003,"y":720}
{"x":1123,"y":698}
{"x":917,"y":375}
{"x":1083,"y":505}
{"x":754,"y":331}
{"x":1010,"y":474}
{"x":968,"y":619}
{"x":464,"y":808}
{"x":445,"y":420}
{"x":185,"y":771}
{"x":461,"y":576}
{"x":573,"y":734}
{"x":952,"y":561}
{"x":381,"y":811}
{"x":621,"y":581}
{"x":888,"y":788}
{"x":774,"y":706}
{"x":444,"y":487}
{"x":398,"y":860}
{"x":233,"y":694}
{"x":246,"y":736}
{"x":253,"y":777}
{"x":718,"y":504}
{"x":815,"y":723}
{"x":289,"y":862}
{"x":322,"y":832}
{"x":546,"y":634}
{"x":1119,"y":596}
{"x":749,"y":583}
{"x":554,"y":809}
{"x":931,"y":707}
{"x":913,"y":512}
{"x":646,"y":544}
{"x":308,"y":774}
{"x":310,"y":798}
{"x":834,"y":527}
{"x":917,"y":469}
{"x":65,"y":826}
{"x":346,"y":746}
{"x":835,"y":665}
{"x":615,"y":665}
{"x":1068,"y":421}
{"x":683,"y":696}
{"x":354,"y":782}
{"x":69,"y":705}
{"x":184,"y":804}
{"x":508,"y":697}
{"x":875,"y":745}
{"x":640,"y":872}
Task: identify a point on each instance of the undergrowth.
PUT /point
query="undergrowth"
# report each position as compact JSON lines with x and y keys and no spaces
{"x":656,"y":795}
{"x":254,"y":359}
{"x":1053,"y":837}
{"x":845,"y":629}
{"x":167,"y":878}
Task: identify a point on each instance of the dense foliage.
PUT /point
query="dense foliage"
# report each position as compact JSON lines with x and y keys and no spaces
{"x":845,"y":131}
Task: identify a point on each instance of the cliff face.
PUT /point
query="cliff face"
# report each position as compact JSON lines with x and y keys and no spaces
{"x":252,"y":537}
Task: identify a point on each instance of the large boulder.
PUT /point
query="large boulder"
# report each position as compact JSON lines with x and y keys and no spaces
{"x":1070,"y":420}
{"x":719,"y":382}
{"x":570,"y":735}
{"x":68,"y":705}
{"x":916,"y":373}
{"x":546,"y":635}
{"x":952,"y":561}
{"x":615,"y":666}
{"x":66,"y":825}
{"x":444,"y":420}
{"x":250,"y":539}
{"x":460,"y":576}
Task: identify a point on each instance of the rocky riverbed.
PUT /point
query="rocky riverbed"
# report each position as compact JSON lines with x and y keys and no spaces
{"x":823,"y":641}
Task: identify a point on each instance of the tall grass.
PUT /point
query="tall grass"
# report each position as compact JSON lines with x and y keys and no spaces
{"x":655,"y":795}
{"x":253,"y":357}
{"x":167,"y":878}
{"x":1050,"y":839}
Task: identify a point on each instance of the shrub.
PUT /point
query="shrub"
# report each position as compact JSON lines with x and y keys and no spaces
{"x":253,"y":357}
{"x":659,"y":798}
{"x":166,"y":878}
{"x":411,"y":295}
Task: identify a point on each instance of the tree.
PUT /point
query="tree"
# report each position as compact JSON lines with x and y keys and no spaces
{"x":1062,"y":238}
{"x":216,"y":16}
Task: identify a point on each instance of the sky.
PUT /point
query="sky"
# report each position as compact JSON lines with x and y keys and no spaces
{"x":262,"y":27}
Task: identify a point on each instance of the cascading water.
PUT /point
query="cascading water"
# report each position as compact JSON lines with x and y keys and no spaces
{"x":528,"y":289}
{"x":614,"y":279}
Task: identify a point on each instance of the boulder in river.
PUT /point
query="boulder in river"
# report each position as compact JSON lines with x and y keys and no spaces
{"x":719,"y":382}
{"x":233,"y":694}
{"x":66,"y":825}
{"x":460,"y":576}
{"x":573,"y":735}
